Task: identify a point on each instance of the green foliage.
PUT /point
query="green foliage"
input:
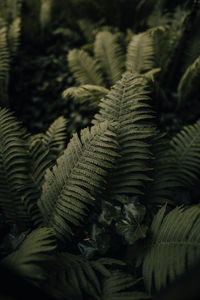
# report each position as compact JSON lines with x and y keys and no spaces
{"x":173,"y":246}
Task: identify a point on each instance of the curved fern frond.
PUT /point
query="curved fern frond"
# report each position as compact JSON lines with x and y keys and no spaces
{"x":174,"y":246}
{"x":13,"y":169}
{"x":13,"y":36}
{"x":189,"y":82}
{"x":77,"y":178}
{"x":140,"y":54}
{"x":186,"y":153}
{"x":84,"y":68}
{"x":109,"y":55}
{"x":115,"y":287}
{"x":88,"y":94}
{"x":35,"y":250}
{"x":127,"y":105}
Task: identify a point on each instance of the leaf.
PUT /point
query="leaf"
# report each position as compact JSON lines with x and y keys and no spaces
{"x":79,"y":175}
{"x":109,"y":54}
{"x":174,"y":245}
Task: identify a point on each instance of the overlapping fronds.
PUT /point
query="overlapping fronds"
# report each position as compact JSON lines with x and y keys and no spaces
{"x":34,"y":252}
{"x":174,"y":245}
{"x":128,"y":106}
{"x":85,"y":68}
{"x":189,"y":82}
{"x":115,"y":287}
{"x":86,"y":276}
{"x":186,"y":154}
{"x":110,"y":56}
{"x":13,"y":159}
{"x":88,"y":94}
{"x":77,"y":178}
{"x":140,"y":54}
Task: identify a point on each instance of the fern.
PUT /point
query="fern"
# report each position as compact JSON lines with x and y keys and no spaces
{"x":85,"y":69}
{"x":34,"y":252}
{"x":115,"y":287}
{"x":13,"y":36}
{"x":186,"y":146}
{"x":127,"y":105}
{"x":189,"y":82}
{"x":88,"y":95}
{"x":83,"y":275}
{"x":77,"y":178}
{"x":140,"y":54}
{"x":174,"y":245}
{"x":4,"y":65}
{"x":109,"y":55}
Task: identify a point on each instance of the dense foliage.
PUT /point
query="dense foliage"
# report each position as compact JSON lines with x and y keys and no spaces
{"x":100,"y":146}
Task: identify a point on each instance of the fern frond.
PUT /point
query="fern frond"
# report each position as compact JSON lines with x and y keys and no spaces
{"x":127,"y":105}
{"x":84,"y":68}
{"x":115,"y":287}
{"x":189,"y":82}
{"x":4,"y":65}
{"x":14,"y":35}
{"x":34,"y":252}
{"x":88,"y":94}
{"x":109,"y":54}
{"x":174,"y":245}
{"x":77,"y":178}
{"x":186,"y":153}
{"x":85,"y":275}
{"x":165,"y":183}
{"x":140,"y":54}
{"x":13,"y":159}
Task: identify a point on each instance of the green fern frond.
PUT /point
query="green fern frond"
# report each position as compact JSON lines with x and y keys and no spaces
{"x":186,"y":153}
{"x":188,"y":83}
{"x":140,"y":54}
{"x":14,"y":31}
{"x":77,"y":178}
{"x":32,"y":254}
{"x":88,"y":94}
{"x":174,"y":246}
{"x":115,"y":287}
{"x":128,"y":106}
{"x":4,"y":65}
{"x":84,"y":68}
{"x":110,"y":56}
{"x":165,"y":182}
{"x":13,"y":159}
{"x":85,"y":275}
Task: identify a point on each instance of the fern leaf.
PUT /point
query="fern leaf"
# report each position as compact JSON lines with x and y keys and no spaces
{"x":84,"y":68}
{"x":115,"y":287}
{"x":18,"y":191}
{"x":174,"y":245}
{"x":77,"y":178}
{"x":84,"y":275}
{"x":12,"y":167}
{"x":4,"y":65}
{"x":13,"y":36}
{"x":88,"y":95}
{"x":109,"y":55}
{"x":127,"y":106}
{"x":140,"y":54}
{"x":186,"y":152}
{"x":188,"y":83}
{"x":34,"y":250}
{"x":165,"y":182}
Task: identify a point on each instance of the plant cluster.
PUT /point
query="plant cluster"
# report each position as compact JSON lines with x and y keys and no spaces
{"x":110,"y":213}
